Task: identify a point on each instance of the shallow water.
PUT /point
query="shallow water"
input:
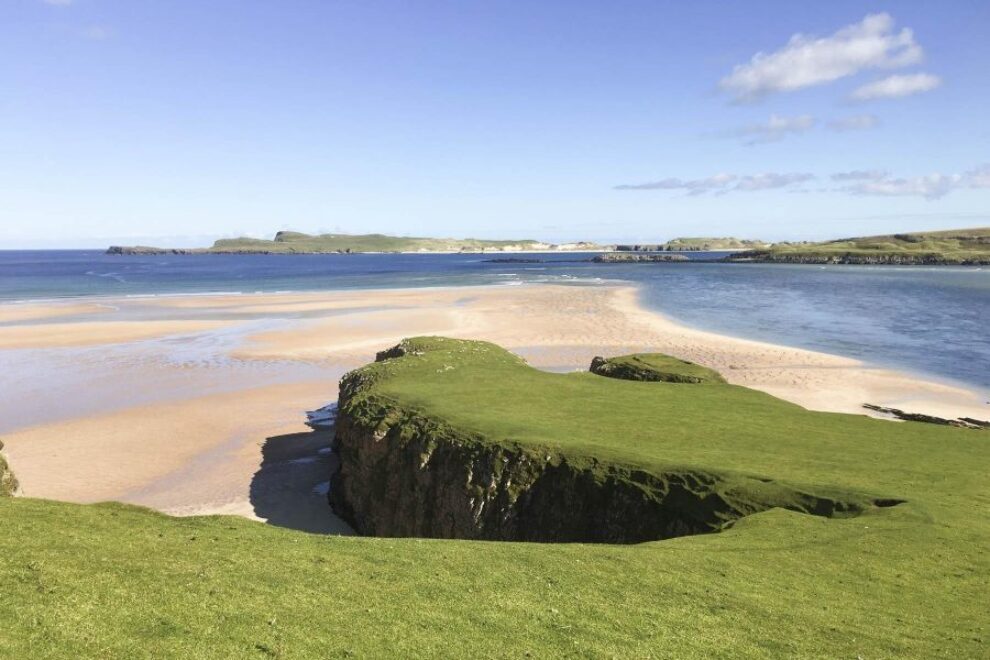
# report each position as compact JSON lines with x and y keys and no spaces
{"x":929,"y":320}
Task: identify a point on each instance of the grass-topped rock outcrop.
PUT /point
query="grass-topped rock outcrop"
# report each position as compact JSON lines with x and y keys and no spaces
{"x":461,"y":439}
{"x":655,"y":367}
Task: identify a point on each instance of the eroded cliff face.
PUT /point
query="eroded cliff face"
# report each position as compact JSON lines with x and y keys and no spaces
{"x":402,"y":474}
{"x":8,"y":484}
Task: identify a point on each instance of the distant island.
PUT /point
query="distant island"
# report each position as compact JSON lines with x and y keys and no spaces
{"x":966,"y":247}
{"x":697,"y":245}
{"x":291,"y":242}
{"x":963,"y":247}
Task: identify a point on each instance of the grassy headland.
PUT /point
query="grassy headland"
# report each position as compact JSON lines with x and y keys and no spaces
{"x":953,"y":247}
{"x":706,"y":244}
{"x":695,"y":245}
{"x":902,"y":581}
{"x":290,"y":242}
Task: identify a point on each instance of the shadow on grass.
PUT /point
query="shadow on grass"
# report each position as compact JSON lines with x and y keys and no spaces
{"x":290,"y":488}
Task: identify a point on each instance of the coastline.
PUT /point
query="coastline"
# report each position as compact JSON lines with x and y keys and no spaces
{"x":188,"y":448}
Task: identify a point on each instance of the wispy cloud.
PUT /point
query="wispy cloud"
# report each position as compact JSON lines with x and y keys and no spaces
{"x":770,"y":180}
{"x":860,"y":175}
{"x":854,"y":182}
{"x":774,"y":129}
{"x":693,"y":186}
{"x":929,"y":186}
{"x":896,"y":86}
{"x":853,"y":123}
{"x":723,"y":183}
{"x":807,"y":60}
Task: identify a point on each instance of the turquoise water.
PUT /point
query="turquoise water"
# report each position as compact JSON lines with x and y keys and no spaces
{"x":934,"y":321}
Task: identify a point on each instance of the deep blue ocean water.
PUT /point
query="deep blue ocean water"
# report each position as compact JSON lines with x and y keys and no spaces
{"x":929,"y":320}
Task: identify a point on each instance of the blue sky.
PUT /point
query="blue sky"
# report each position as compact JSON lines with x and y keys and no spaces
{"x":178,"y":122}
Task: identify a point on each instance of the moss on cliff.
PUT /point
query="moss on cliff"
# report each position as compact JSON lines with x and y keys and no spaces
{"x":654,"y":367}
{"x":8,"y":483}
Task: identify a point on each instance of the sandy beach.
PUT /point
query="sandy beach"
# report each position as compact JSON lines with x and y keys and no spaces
{"x":196,"y":404}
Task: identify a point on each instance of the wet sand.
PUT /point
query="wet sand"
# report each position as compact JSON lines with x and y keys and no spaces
{"x":197,"y":403}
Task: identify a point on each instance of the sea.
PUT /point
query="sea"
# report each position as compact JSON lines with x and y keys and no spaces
{"x":933,"y":321}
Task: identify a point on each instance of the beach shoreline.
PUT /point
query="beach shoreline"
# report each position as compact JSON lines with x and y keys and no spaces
{"x":226,"y":374}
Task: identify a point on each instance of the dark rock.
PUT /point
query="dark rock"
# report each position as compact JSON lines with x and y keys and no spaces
{"x":615,"y":257}
{"x":962,"y":422}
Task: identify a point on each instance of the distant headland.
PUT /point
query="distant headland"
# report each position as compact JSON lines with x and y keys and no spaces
{"x":290,"y":242}
{"x":965,"y":247}
{"x":954,"y":247}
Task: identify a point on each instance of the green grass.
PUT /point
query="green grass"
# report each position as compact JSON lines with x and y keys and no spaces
{"x":952,"y":246}
{"x":904,"y":581}
{"x":655,"y":367}
{"x":702,"y":244}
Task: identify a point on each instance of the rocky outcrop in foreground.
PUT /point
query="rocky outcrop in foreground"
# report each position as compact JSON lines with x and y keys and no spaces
{"x":403,"y":473}
{"x":654,"y":367}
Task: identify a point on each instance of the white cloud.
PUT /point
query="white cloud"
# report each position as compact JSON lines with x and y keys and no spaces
{"x":774,"y":129}
{"x":896,"y":86}
{"x":860,"y":175}
{"x":807,"y":60}
{"x":854,"y":123}
{"x":929,"y":186}
{"x":723,"y":183}
{"x":855,"y":182}
{"x":693,"y":186}
{"x":769,"y":180}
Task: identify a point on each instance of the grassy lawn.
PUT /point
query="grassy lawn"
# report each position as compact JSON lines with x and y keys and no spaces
{"x":903,"y":581}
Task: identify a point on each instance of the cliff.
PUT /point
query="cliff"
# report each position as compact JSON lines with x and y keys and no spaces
{"x":406,"y":472}
{"x":8,"y":484}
